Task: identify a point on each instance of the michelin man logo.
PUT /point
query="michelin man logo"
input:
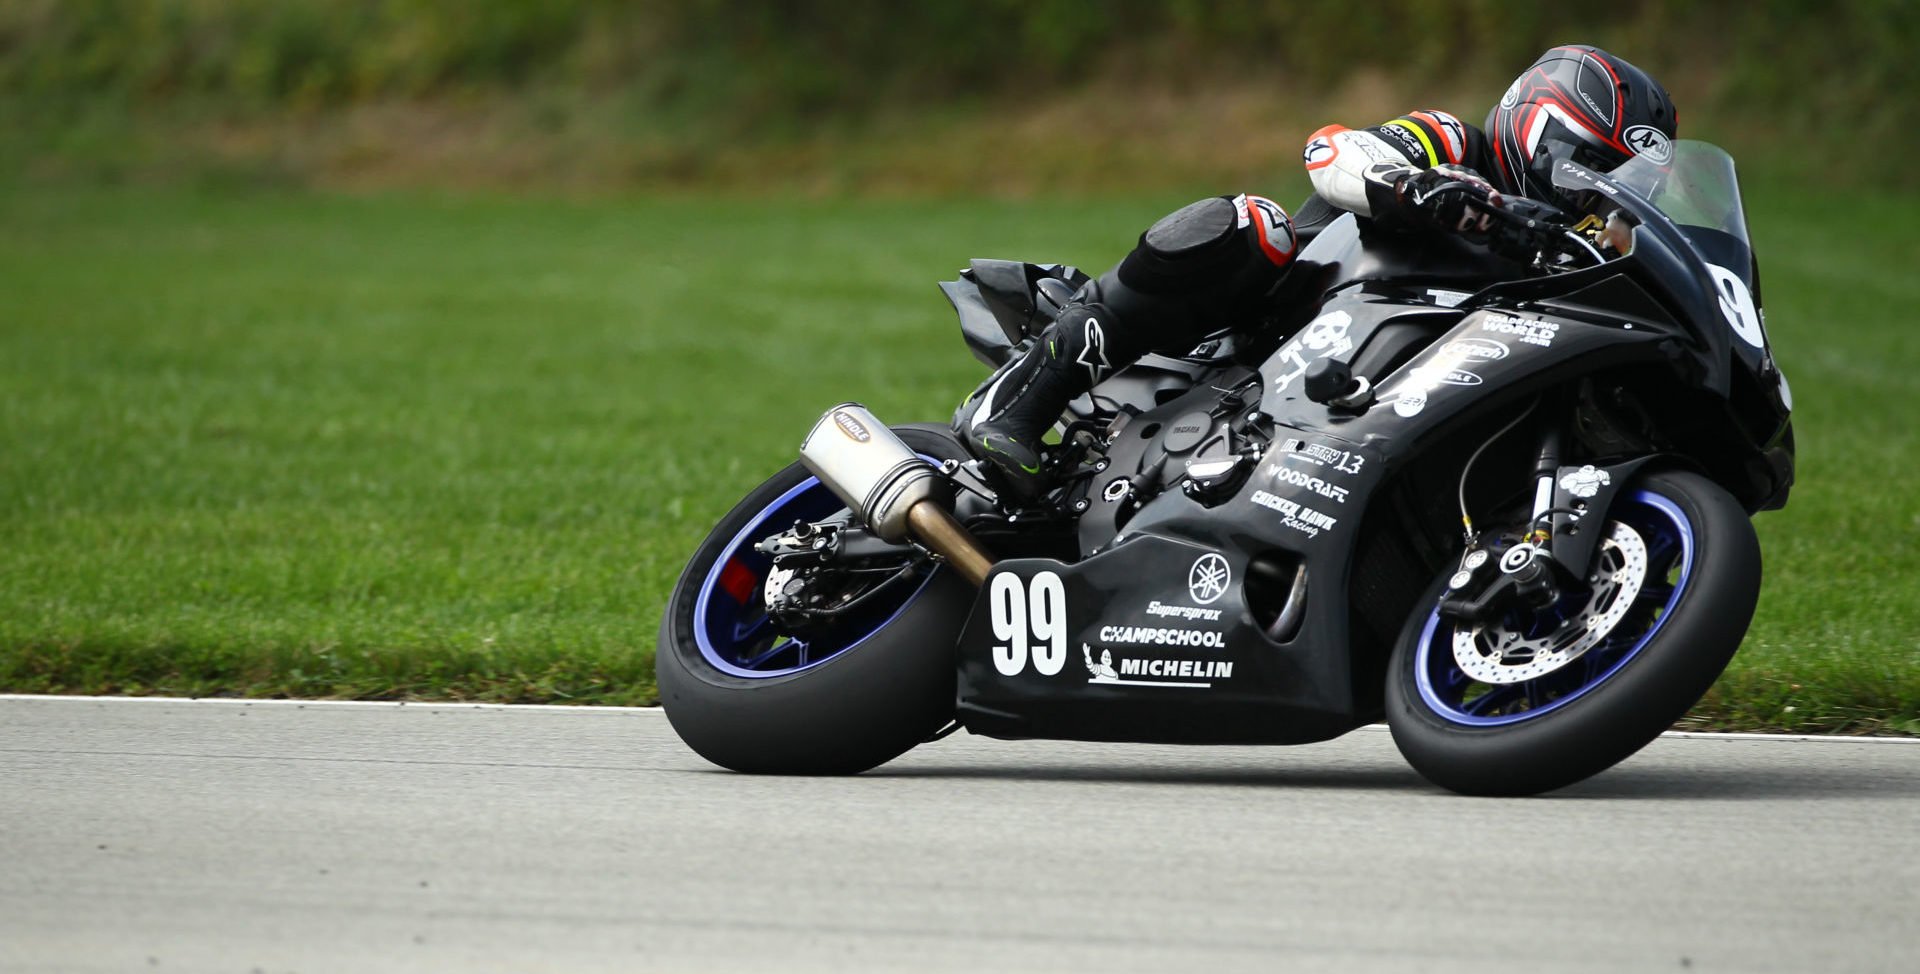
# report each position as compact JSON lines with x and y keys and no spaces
{"x":1102,"y":672}
{"x":1585,"y":482}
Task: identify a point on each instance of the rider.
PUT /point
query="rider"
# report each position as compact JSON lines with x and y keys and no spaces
{"x":1216,"y":262}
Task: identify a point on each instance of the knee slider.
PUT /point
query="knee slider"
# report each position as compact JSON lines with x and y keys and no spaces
{"x":1217,"y":258}
{"x":1189,"y":250}
{"x":1192,"y":228}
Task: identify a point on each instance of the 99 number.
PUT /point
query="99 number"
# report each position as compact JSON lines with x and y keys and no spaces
{"x":1029,"y":619}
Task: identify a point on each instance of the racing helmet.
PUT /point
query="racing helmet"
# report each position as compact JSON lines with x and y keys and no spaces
{"x":1579,"y":104}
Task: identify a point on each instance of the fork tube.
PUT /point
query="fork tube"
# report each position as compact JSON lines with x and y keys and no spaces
{"x":1545,"y":465}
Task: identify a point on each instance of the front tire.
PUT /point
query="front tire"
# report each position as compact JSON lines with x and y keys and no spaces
{"x":750,"y":699}
{"x":1700,"y":568}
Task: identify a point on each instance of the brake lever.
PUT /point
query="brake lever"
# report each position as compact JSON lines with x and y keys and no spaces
{"x":1535,"y":229}
{"x":1529,"y":214}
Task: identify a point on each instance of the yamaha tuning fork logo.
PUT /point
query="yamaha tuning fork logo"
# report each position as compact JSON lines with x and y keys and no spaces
{"x":1208,"y":578}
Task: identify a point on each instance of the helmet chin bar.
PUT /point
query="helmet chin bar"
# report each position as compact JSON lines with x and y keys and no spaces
{"x":1538,"y":183}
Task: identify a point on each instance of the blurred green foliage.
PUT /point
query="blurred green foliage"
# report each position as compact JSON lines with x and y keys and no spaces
{"x":828,"y":96}
{"x":1835,"y":64}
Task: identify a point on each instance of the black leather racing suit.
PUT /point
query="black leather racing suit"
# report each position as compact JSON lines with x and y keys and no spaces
{"x":1211,"y":265}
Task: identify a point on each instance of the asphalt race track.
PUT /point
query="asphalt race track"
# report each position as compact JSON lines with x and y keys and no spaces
{"x":178,"y":836}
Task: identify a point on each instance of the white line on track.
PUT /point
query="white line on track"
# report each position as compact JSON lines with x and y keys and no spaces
{"x":275,"y":702}
{"x":1729,"y":736}
{"x":587,"y":709}
{"x":1710,"y":736}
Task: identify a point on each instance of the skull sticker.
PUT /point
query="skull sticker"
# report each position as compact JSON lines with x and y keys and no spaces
{"x":1327,"y":335}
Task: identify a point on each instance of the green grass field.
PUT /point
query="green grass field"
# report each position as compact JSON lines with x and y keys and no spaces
{"x":404,"y":447}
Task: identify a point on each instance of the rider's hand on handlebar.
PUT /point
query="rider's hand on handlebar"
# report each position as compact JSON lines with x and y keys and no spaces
{"x":1450,"y":198}
{"x":1524,"y":229}
{"x":1458,"y":200}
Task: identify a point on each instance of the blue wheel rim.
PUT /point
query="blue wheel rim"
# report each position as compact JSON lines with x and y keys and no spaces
{"x":1459,"y":699}
{"x":730,"y":624}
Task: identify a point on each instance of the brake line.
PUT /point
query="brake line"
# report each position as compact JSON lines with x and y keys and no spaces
{"x":1466,"y":519}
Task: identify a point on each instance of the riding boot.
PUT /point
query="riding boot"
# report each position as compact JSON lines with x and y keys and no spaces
{"x":1004,"y":421}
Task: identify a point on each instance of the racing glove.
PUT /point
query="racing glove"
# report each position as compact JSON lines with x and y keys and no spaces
{"x":1455,"y":199}
{"x":1445,"y":197}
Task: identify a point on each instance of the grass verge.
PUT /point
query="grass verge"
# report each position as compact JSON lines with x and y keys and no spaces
{"x":279,"y":443}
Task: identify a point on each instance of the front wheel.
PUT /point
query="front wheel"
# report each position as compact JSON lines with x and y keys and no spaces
{"x":841,"y":699}
{"x":1542,"y":700}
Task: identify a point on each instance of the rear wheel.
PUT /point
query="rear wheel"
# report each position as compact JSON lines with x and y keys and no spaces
{"x":838,"y":699}
{"x":1542,"y":700}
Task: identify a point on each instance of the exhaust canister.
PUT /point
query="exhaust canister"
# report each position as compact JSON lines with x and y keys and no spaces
{"x":879,"y":477}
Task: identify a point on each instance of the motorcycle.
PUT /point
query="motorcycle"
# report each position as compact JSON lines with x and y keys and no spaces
{"x":1507,"y":509}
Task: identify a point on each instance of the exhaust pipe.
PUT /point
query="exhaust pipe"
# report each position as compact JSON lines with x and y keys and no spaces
{"x":889,"y":487}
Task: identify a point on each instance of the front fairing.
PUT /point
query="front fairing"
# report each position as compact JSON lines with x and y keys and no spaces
{"x":1691,"y":250}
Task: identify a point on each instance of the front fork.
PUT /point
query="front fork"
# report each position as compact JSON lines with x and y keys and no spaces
{"x":1526,"y":575}
{"x":1545,"y":465}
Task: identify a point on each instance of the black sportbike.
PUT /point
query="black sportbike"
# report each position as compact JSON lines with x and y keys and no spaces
{"x":1505,"y":506}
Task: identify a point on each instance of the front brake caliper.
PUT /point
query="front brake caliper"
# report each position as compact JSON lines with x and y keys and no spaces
{"x":1485,"y":588}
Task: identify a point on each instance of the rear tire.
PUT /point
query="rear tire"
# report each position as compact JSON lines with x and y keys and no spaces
{"x":878,"y":694}
{"x":1633,"y":686}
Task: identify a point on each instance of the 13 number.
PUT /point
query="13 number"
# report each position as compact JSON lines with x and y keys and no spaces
{"x":1028,"y":619}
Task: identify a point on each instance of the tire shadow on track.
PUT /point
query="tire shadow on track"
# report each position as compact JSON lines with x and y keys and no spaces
{"x":1619,"y":784}
{"x":1897,"y":779}
{"x":1344,"y":779}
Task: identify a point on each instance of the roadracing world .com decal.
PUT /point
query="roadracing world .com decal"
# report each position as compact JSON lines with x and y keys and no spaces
{"x":1532,"y":331}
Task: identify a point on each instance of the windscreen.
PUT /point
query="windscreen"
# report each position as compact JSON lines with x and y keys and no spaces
{"x":1695,"y":187}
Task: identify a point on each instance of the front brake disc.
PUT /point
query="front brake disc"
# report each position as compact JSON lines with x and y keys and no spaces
{"x":1496,"y":654}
